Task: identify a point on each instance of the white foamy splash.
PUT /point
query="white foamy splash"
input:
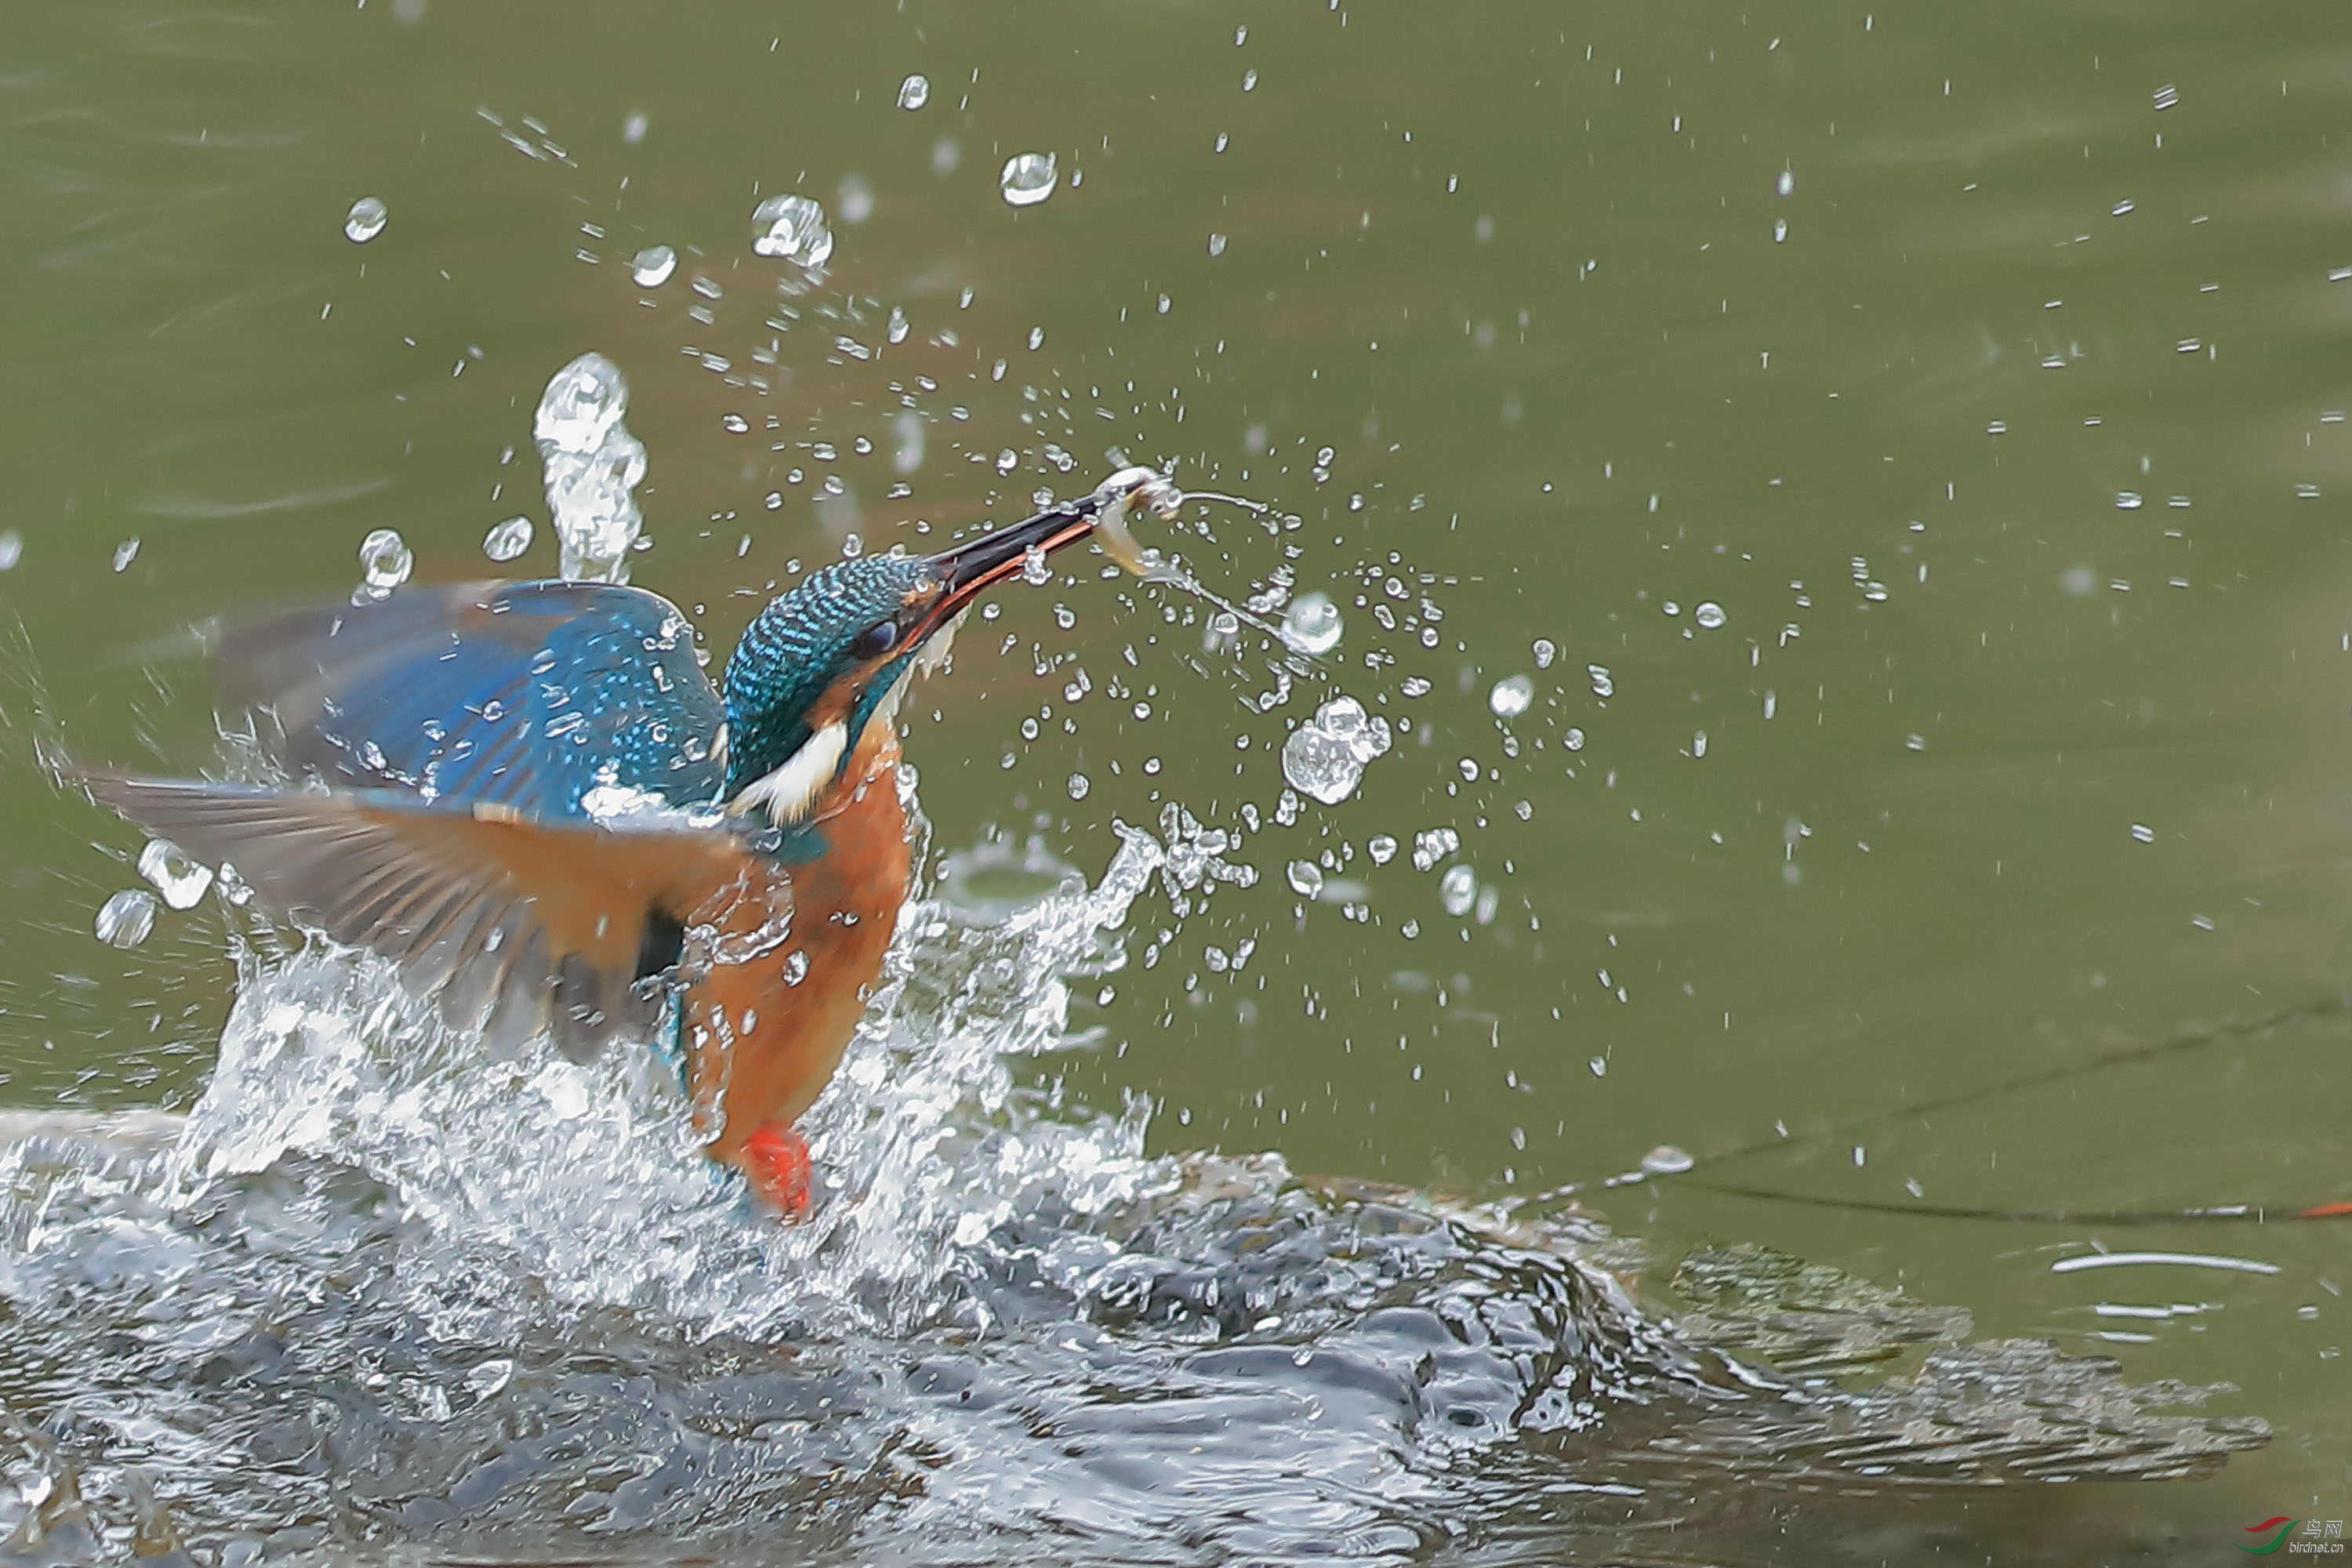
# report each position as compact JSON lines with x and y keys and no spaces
{"x":592,"y":467}
{"x":542,"y":1186}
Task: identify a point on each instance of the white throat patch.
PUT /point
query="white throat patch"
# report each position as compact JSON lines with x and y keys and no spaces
{"x":934,"y":653}
{"x":790,"y":791}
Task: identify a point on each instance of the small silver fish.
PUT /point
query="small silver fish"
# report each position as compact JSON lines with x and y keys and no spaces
{"x":1158,"y":494}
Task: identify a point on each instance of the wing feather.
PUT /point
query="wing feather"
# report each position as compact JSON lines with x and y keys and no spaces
{"x":511,"y":923}
{"x":519,"y":694}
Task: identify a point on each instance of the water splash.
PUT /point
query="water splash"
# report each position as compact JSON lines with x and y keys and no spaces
{"x":592,"y":466}
{"x":545,"y":1189}
{"x":474,"y":1305}
{"x":1325,"y":756}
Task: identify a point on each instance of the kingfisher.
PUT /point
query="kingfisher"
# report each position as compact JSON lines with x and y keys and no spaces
{"x":532,"y":798}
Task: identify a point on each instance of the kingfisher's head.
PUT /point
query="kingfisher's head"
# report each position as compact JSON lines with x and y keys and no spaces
{"x":826,"y":660}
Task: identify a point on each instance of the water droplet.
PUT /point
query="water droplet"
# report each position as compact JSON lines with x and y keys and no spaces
{"x":126,"y":553}
{"x":907,"y":442}
{"x":181,"y":881}
{"x":365,"y":220}
{"x":507,"y":540}
{"x":1306,"y":877}
{"x":854,"y":198}
{"x":12,"y":548}
{"x":1249,"y":81}
{"x":915,"y":91}
{"x":1312,"y":623}
{"x":2143,"y":832}
{"x":635,"y":126}
{"x":1216,"y":245}
{"x":385,"y":559}
{"x":1787,"y":183}
{"x":1510,"y":697}
{"x":1079,"y":785}
{"x":1545,"y":652}
{"x":1602,"y":686}
{"x":653,"y":264}
{"x":795,"y":967}
{"x":1574,"y":740}
{"x":1709,"y":615}
{"x":1458,"y":889}
{"x":125,"y":919}
{"x":1432,"y":845}
{"x":2129,"y":501}
{"x":1780,"y":229}
{"x":1036,"y":338}
{"x":791,"y":227}
{"x":1665,"y":1160}
{"x":2166,"y":96}
{"x":897,"y":329}
{"x":1034,"y":569}
{"x":1383,"y":848}
{"x":1028,"y":178}
{"x":1325,"y":756}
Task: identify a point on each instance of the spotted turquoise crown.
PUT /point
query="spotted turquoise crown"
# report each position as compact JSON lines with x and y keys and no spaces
{"x":797,"y":648}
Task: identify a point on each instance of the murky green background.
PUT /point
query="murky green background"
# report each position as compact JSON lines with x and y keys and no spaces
{"x":2014,"y":461}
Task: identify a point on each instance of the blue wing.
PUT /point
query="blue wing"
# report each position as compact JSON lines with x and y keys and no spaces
{"x":524,"y":695}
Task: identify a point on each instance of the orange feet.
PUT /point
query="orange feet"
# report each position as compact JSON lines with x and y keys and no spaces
{"x":776,"y":1160}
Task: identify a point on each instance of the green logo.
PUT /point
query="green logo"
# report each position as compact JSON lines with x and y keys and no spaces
{"x":2276,"y":1528}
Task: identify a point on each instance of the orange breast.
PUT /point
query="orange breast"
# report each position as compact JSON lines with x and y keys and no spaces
{"x":763,"y":1034}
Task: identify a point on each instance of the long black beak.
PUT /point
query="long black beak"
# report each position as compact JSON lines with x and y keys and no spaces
{"x":974,"y":566}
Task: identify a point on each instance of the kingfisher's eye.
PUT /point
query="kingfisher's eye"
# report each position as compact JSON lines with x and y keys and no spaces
{"x":875,"y":640}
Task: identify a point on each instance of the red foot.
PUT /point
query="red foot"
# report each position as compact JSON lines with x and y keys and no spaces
{"x":776,"y":1160}
{"x":2326,"y":1211}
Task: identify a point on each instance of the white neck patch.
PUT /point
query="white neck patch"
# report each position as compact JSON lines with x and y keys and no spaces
{"x":934,"y":652}
{"x":790,"y":791}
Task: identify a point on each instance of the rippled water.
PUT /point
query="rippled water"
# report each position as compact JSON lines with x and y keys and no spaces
{"x":377,"y":1289}
{"x":1827,"y":525}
